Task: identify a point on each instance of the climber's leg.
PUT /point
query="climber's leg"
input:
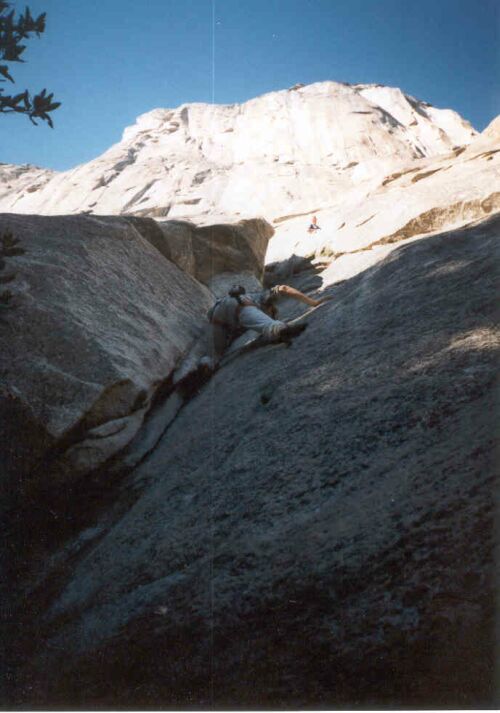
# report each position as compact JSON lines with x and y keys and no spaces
{"x":254,"y":318}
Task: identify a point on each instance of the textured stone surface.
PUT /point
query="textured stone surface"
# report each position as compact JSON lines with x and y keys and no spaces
{"x":424,"y":196}
{"x":101,"y":318}
{"x":315,"y":528}
{"x":207,"y":251}
{"x":285,"y":152}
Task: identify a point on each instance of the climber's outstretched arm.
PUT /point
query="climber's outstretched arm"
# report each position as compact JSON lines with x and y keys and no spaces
{"x":287,"y":291}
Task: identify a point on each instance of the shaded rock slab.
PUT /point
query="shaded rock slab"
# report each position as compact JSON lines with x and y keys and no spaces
{"x":102,"y":315}
{"x":317,"y":527}
{"x":207,"y":251}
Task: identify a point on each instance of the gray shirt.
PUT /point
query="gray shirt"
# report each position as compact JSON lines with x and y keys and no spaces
{"x":226,"y":309}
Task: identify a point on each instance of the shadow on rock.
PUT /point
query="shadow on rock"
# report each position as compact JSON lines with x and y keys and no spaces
{"x":330,"y":545}
{"x":304,"y":272}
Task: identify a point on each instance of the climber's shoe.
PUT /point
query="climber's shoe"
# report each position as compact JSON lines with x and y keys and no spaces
{"x":291,"y":331}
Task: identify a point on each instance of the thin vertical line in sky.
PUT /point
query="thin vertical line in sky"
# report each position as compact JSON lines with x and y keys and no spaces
{"x":212,"y":473}
{"x":213,"y":51}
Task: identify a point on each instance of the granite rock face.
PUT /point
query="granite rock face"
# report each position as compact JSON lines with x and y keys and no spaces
{"x":316,"y":527}
{"x":288,"y":151}
{"x":101,"y":317}
{"x":208,"y":251}
{"x":425,"y":196}
{"x":313,"y":527}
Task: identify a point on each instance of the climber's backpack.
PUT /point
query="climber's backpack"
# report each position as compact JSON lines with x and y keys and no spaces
{"x":211,"y":311}
{"x":235,"y":292}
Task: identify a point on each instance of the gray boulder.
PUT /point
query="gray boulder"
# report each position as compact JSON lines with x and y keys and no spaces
{"x":101,"y":317}
{"x":206,"y":251}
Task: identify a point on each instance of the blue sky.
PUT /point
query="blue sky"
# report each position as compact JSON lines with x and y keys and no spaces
{"x":109,"y":61}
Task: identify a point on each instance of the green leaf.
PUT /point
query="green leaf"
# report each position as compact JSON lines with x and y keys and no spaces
{"x":8,"y":239}
{"x":40,"y":23}
{"x":17,"y":98}
{"x":5,"y":296}
{"x":4,"y":71}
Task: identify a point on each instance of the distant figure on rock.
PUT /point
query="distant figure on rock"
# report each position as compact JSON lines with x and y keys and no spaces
{"x":314,"y":225}
{"x":232,"y":315}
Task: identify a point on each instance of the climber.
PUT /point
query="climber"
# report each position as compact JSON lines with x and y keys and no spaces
{"x":232,"y":315}
{"x":314,"y":225}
